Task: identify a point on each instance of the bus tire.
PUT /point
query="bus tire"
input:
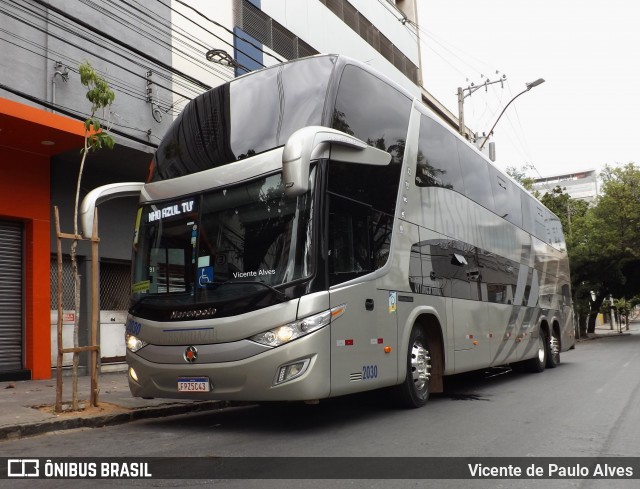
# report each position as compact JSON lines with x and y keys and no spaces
{"x":539,"y":361}
{"x":553,"y":350}
{"x":414,"y":391}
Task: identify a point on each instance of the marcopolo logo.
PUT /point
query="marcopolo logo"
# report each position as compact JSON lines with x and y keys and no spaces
{"x":194,"y":313}
{"x":23,"y":467}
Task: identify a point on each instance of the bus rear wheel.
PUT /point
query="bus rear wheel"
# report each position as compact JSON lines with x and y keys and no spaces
{"x":539,"y":361}
{"x":414,"y":391}
{"x":553,"y":350}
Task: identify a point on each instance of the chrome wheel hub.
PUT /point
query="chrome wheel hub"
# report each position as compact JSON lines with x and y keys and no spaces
{"x":555,"y":346}
{"x":420,"y":366}
{"x":541,"y":349}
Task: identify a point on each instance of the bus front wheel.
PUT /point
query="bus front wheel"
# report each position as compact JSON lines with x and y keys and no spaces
{"x":414,"y":391}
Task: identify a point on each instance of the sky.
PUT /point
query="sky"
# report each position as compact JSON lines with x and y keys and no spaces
{"x":585,"y":114}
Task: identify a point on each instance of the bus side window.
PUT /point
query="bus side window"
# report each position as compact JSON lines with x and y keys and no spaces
{"x":475,"y":171}
{"x":362,"y":198}
{"x":506,"y":197}
{"x":437,"y":163}
{"x":359,"y":239}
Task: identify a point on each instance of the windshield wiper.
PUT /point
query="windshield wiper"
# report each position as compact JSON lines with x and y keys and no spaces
{"x":279,"y":294}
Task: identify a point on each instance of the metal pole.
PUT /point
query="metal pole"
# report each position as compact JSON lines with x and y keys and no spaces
{"x":58,"y":407}
{"x":461,"y":111}
{"x":529,"y":87}
{"x":496,"y":122}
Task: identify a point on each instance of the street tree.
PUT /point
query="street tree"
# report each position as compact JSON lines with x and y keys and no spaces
{"x":96,"y":137}
{"x":604,"y":250}
{"x":523,"y":176}
{"x":562,"y":205}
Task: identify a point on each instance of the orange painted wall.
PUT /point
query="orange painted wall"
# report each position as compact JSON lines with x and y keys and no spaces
{"x":25,"y":196}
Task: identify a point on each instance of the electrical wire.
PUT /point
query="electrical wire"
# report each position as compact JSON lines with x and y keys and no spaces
{"x":130,"y":48}
{"x":74,"y":114}
{"x":159,"y":41}
{"x":520,"y":135}
{"x":218,"y":37}
{"x":248,"y":41}
{"x":95,"y":55}
{"x":169,"y":30}
{"x":455,"y":68}
{"x":120,"y":88}
{"x":441,"y":42}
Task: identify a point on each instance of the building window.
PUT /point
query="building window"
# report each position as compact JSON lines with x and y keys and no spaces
{"x":270,"y":33}
{"x":365,"y":29}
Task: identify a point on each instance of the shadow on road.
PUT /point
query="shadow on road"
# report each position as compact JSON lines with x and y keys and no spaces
{"x":282,"y":417}
{"x":290,"y":417}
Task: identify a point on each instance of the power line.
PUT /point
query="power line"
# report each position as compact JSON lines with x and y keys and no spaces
{"x":85,"y":49}
{"x":248,"y":41}
{"x":441,"y":42}
{"x":132,"y":49}
{"x":159,"y":40}
{"x":90,"y":40}
{"x":441,"y":57}
{"x":73,"y":114}
{"x":218,"y":37}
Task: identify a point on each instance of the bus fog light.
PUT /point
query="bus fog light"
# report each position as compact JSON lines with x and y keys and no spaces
{"x":291,"y":371}
{"x":133,"y":374}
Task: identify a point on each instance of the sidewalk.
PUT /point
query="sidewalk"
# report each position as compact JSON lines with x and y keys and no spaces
{"x":604,"y":330}
{"x":27,"y":407}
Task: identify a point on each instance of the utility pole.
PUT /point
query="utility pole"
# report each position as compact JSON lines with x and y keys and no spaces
{"x":470,"y":89}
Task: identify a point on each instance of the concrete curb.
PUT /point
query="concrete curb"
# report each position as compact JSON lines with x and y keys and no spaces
{"x":598,"y":336}
{"x":98,"y":421}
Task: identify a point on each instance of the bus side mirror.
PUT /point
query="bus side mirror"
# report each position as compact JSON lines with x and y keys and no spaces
{"x":309,"y":143}
{"x":100,"y":195}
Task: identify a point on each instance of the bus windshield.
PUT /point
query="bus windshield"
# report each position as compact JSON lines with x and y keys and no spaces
{"x":245,"y":117}
{"x":229,"y":243}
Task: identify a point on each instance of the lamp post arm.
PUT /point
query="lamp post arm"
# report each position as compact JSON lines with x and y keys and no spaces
{"x":496,"y":122}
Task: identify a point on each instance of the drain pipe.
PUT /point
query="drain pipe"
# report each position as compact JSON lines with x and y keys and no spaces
{"x":64,"y":74}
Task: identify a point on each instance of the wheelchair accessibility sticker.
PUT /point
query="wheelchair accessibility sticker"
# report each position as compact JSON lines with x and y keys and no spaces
{"x":205,"y":276}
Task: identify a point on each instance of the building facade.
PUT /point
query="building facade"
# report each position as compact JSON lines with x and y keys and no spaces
{"x":156,"y":56}
{"x":580,"y":185}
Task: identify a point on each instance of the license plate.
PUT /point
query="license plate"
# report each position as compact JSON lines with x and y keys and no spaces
{"x":193,"y":384}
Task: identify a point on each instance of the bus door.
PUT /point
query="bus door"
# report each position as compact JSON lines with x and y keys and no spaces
{"x":360,"y":336}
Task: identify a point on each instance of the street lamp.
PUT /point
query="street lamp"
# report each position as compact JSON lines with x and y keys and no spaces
{"x":529,"y":86}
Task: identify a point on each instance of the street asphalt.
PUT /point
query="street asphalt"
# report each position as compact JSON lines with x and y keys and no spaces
{"x":27,"y":407}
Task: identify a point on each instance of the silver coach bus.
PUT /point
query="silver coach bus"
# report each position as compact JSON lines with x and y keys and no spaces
{"x":312,"y":230}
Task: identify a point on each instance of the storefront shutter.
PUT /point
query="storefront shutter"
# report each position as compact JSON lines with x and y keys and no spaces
{"x":11,"y":296}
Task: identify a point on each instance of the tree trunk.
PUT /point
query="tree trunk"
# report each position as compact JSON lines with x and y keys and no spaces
{"x":582,"y":325}
{"x":626,"y":321}
{"x":591,"y":325}
{"x":76,"y":323}
{"x":593,"y":314}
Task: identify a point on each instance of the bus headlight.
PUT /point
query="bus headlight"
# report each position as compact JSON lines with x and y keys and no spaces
{"x":284,"y":334}
{"x":133,"y":342}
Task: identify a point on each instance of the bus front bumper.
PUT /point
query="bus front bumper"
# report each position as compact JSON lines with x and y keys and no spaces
{"x":251,"y":379}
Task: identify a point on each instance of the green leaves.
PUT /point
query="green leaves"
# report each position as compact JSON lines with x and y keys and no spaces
{"x":521,"y":175}
{"x":604,"y":243}
{"x":101,"y":97}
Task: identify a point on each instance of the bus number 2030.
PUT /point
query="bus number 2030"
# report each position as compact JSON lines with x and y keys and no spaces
{"x":369,"y":372}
